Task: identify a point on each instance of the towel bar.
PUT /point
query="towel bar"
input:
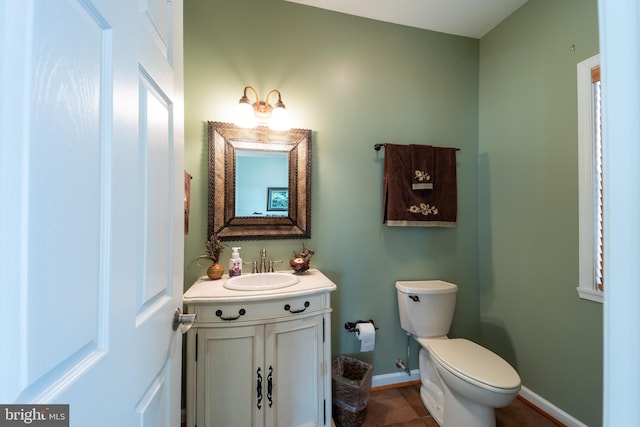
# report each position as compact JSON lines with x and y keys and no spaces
{"x":377,"y":147}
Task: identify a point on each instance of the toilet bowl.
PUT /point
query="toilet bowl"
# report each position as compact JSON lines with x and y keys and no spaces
{"x":461,"y":382}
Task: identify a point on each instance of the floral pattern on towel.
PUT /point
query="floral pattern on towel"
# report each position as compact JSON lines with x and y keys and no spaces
{"x":421,"y":176}
{"x":424,"y":209}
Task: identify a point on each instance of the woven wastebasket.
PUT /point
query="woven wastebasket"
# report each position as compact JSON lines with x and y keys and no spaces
{"x":351,"y":386}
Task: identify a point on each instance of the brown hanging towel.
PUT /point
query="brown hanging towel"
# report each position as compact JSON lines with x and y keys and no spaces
{"x":402,"y":205}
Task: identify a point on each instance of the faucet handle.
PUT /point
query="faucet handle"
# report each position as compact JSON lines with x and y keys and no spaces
{"x":254,"y":266}
{"x":271,"y":262}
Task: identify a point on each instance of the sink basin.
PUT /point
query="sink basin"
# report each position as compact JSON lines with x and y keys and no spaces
{"x":261,"y":281}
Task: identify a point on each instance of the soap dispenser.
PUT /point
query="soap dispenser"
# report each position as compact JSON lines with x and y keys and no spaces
{"x":235,"y":263}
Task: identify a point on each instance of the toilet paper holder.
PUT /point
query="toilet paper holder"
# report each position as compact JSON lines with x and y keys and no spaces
{"x":353,"y":326}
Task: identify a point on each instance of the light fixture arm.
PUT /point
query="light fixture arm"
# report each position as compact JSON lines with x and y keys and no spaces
{"x":279,"y":103}
{"x":245,"y":98}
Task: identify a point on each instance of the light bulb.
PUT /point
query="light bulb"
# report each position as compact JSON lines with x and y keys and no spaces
{"x":279,"y":119}
{"x":244,"y":115}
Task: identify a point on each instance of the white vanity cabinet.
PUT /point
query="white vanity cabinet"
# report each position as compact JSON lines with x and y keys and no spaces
{"x":259,"y":358}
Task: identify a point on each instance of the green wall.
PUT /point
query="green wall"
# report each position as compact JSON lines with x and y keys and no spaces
{"x":354,"y":82}
{"x":528,"y":212}
{"x":357,"y":82}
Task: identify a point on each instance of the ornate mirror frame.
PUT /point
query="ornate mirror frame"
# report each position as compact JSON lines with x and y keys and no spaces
{"x":224,"y":140}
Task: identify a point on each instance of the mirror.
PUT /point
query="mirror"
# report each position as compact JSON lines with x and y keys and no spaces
{"x":259,"y":183}
{"x":252,"y":166}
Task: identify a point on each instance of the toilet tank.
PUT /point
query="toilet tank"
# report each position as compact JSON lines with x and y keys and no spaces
{"x":426,"y":306}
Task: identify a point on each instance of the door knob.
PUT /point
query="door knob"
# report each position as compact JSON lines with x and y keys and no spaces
{"x":184,"y":321}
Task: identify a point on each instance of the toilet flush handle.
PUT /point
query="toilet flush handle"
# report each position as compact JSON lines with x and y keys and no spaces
{"x":414,"y":298}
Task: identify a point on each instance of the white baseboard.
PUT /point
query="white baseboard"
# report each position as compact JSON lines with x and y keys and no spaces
{"x":394,"y":378}
{"x":525,"y":393}
{"x":550,"y":408}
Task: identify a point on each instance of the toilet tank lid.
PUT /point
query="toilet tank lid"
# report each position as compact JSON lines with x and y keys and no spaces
{"x":425,"y":287}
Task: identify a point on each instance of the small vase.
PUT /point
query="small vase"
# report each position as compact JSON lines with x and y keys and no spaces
{"x":215,"y":272}
{"x":299,"y":265}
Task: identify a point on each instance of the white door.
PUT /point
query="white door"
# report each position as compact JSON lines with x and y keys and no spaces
{"x":91,"y":243}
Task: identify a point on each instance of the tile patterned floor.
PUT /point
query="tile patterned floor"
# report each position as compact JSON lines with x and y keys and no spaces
{"x":402,"y":407}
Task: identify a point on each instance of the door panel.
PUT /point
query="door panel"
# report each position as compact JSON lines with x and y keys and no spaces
{"x":64,"y":200}
{"x":156,"y":146}
{"x":157,"y":19}
{"x":152,"y":410}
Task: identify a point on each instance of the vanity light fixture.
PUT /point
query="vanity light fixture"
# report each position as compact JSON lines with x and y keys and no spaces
{"x":261,"y":112}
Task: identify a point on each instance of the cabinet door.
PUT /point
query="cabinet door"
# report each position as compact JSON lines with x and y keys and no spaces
{"x":230,"y":377}
{"x":294,"y":367}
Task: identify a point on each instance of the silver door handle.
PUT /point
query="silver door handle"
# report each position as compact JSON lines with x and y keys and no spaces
{"x":184,"y":321}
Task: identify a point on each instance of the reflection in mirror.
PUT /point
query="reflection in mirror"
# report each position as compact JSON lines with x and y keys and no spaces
{"x":259,"y":183}
{"x":258,"y":171}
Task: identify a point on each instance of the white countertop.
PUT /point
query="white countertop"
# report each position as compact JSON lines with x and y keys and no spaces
{"x":213,"y":291}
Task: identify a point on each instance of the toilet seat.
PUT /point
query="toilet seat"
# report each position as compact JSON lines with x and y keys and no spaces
{"x":474,"y":364}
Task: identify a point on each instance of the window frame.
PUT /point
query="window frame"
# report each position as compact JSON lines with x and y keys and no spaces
{"x":587,"y":176}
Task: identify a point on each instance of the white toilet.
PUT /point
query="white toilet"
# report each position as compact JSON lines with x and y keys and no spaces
{"x":462,"y":382}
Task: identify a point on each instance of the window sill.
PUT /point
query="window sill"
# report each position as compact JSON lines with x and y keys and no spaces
{"x":591,"y":295}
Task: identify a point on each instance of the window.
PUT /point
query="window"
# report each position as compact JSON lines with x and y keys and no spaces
{"x":591,"y":194}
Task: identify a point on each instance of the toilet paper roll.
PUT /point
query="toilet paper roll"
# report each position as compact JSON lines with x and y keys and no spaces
{"x":367,"y":336}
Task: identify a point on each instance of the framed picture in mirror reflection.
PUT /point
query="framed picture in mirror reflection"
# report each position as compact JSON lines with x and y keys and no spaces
{"x":277,"y":199}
